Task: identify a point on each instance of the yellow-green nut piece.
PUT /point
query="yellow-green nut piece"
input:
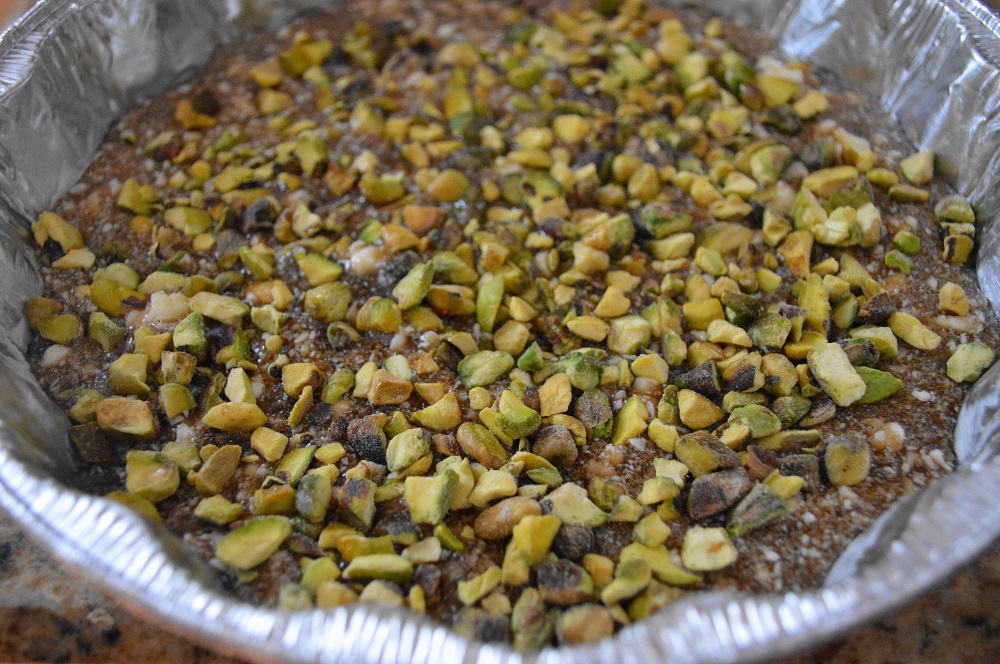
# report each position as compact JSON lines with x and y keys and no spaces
{"x":878,"y":384}
{"x":918,"y":168}
{"x":379,"y":314}
{"x":383,"y":566}
{"x":531,"y":623}
{"x":660,"y":563}
{"x":913,"y":332}
{"x":252,"y":544}
{"x":957,"y":248}
{"x":969,"y":361}
{"x":586,"y":623}
{"x":761,"y":420}
{"x":628,"y":335}
{"x":760,"y":507}
{"x":697,"y":411}
{"x":114,"y":298}
{"x":412,"y":289}
{"x":707,"y":549}
{"x":443,"y":415}
{"x":151,"y":475}
{"x":571,"y":504}
{"x":847,"y":459}
{"x":268,"y":319}
{"x":189,"y":336}
{"x":217,"y":470}
{"x":630,"y":422}
{"x":954,"y":209}
{"x":294,"y":463}
{"x":312,"y":497}
{"x":533,"y":536}
{"x":318,"y":269}
{"x":127,"y":375}
{"x":328,"y":302}
{"x":481,"y":444}
{"x":515,"y":419}
{"x":235,"y":417}
{"x":488,"y":300}
{"x":476,"y":588}
{"x":703,"y":453}
{"x":176,"y":399}
{"x":484,"y":367}
{"x":449,"y":186}
{"x":583,"y":371}
{"x":189,"y":220}
{"x":218,"y":510}
{"x":833,"y":371}
{"x":631,"y":578}
{"x":105,"y":331}
{"x":126,"y":417}
{"x":429,"y":498}
{"x":406,"y":448}
{"x":227,"y":310}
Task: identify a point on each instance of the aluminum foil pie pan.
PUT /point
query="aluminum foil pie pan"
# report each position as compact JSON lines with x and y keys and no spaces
{"x":70,"y":68}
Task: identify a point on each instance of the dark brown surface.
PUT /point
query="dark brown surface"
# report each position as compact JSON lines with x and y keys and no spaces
{"x":48,"y":616}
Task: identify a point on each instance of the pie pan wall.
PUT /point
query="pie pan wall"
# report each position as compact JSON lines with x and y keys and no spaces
{"x":70,"y":68}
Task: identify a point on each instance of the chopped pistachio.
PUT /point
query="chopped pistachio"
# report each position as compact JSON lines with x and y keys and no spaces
{"x":847,"y":459}
{"x":969,"y":361}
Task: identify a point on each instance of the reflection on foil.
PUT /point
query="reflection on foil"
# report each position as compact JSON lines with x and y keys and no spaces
{"x":69,"y":69}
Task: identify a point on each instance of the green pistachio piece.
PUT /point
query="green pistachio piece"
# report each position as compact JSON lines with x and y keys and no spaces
{"x":218,"y":510}
{"x":412,"y":289}
{"x":318,"y":269}
{"x":847,"y":459}
{"x":956,"y":209}
{"x":761,"y":421}
{"x":760,"y":507}
{"x":252,"y":544}
{"x":312,"y":498}
{"x":488,"y":300}
{"x":189,"y":220}
{"x":406,"y":448}
{"x":429,"y":498}
{"x":969,"y":361}
{"x":515,"y":419}
{"x":176,"y":399}
{"x":832,"y":369}
{"x":628,"y":335}
{"x":484,"y":367}
{"x":878,"y":384}
{"x":379,"y":314}
{"x":571,"y":504}
{"x":630,"y":421}
{"x":151,"y":475}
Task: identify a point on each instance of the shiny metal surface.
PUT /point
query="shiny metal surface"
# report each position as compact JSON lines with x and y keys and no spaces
{"x":69,"y":69}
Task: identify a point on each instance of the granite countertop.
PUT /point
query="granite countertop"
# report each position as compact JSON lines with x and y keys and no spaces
{"x":46,"y":615}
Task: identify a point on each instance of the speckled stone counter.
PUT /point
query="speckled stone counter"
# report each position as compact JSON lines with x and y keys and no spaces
{"x":46,"y":615}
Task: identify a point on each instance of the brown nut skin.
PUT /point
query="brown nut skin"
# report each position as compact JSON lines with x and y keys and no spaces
{"x":564,"y":583}
{"x":498,"y":521}
{"x":716,"y":492}
{"x":555,"y":444}
{"x":573,"y":542}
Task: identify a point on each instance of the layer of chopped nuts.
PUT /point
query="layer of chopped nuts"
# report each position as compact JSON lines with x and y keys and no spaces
{"x":533,"y":319}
